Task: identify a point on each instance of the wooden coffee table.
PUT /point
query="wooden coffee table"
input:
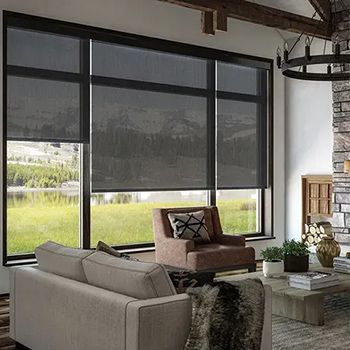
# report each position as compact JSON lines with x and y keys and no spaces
{"x":294,"y":303}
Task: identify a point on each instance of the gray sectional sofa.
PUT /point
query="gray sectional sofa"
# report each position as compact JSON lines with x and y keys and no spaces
{"x":84,"y":300}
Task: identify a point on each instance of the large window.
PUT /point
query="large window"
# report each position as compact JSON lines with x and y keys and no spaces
{"x":100,"y":127}
{"x":126,"y":217}
{"x":42,"y":194}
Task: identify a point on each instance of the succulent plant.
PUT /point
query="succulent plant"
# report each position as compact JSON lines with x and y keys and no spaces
{"x":295,"y":248}
{"x":272,"y":254}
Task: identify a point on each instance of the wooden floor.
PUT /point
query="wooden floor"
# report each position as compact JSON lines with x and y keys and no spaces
{"x":5,"y":342}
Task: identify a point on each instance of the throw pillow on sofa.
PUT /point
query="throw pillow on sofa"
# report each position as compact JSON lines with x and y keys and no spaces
{"x":190,"y":226}
{"x":104,"y":247}
{"x":190,"y":279}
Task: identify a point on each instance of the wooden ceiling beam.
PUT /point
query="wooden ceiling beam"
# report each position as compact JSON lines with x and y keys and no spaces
{"x":220,"y":21}
{"x":207,"y":22}
{"x":323,"y":8}
{"x":260,"y":14}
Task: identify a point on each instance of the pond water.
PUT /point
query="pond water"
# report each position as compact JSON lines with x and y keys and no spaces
{"x":42,"y":198}
{"x":70,"y":197}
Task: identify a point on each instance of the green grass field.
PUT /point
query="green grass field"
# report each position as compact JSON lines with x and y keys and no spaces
{"x":113,"y":223}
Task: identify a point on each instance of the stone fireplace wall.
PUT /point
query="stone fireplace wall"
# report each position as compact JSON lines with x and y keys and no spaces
{"x":341,"y":130}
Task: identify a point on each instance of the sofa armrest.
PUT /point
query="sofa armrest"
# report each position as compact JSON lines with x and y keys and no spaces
{"x":65,"y":314}
{"x":172,"y":251}
{"x":158,"y":323}
{"x":236,"y":240}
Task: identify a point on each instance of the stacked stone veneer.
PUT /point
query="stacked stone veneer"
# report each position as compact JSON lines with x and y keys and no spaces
{"x":341,"y":129}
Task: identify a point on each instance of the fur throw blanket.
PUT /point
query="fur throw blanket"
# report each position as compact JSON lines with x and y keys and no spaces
{"x":227,"y":316}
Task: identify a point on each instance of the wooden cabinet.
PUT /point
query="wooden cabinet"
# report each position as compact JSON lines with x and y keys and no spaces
{"x":317,"y":198}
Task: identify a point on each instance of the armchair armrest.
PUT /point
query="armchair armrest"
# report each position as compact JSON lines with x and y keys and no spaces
{"x":236,"y":240}
{"x":172,"y":251}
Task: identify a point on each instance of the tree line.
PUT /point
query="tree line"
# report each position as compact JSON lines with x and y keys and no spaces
{"x":35,"y":176}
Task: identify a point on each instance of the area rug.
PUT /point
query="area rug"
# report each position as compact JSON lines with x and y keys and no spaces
{"x":335,"y":334}
{"x":5,"y":342}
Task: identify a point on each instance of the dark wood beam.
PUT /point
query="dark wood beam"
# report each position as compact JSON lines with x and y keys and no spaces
{"x":259,"y":14}
{"x":323,"y":8}
{"x":220,"y":21}
{"x":207,"y":22}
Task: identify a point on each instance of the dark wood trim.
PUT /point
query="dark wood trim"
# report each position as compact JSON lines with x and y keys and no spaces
{"x":207,"y":22}
{"x":260,"y":14}
{"x":220,"y":21}
{"x":323,"y":8}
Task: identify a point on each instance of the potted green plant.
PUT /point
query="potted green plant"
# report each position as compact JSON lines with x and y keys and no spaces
{"x":296,"y":256}
{"x":273,"y":261}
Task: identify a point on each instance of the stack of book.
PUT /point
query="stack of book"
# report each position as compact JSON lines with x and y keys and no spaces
{"x":313,"y":280}
{"x":342,"y":264}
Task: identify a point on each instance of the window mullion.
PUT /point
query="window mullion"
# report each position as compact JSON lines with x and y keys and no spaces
{"x":211,"y":115}
{"x":85,"y":181}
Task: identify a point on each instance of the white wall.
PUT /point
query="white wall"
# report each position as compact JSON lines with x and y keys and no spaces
{"x":309,"y":138}
{"x":156,"y":19}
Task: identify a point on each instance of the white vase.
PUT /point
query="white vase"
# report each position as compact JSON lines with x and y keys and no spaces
{"x":273,"y":268}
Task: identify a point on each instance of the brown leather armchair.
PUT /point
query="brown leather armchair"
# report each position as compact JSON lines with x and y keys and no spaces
{"x":224,"y":252}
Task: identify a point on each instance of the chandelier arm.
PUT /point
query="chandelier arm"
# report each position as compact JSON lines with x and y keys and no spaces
{"x":316,"y":59}
{"x":316,"y":76}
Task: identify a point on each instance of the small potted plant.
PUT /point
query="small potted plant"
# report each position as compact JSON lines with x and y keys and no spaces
{"x":273,"y":261}
{"x":296,"y":256}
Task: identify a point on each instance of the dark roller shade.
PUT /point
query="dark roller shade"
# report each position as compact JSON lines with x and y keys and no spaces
{"x":124,"y":62}
{"x":42,"y":110}
{"x":238,"y":79}
{"x":34,"y":49}
{"x":145,"y":140}
{"x":240,"y":155}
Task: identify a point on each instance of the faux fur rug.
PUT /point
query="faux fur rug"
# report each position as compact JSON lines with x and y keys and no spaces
{"x":227,"y":316}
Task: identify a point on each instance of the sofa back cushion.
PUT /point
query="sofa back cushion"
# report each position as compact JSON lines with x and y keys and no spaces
{"x":60,"y":260}
{"x":136,"y":279}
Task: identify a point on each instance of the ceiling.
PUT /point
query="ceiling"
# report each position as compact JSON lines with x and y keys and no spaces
{"x":290,"y":16}
{"x":300,"y":7}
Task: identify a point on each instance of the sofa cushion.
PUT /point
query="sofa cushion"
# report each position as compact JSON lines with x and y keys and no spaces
{"x":212,"y":256}
{"x":60,"y":260}
{"x":140,"y":280}
{"x":190,"y":225}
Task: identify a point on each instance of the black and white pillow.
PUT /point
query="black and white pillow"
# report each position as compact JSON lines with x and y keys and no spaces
{"x":189,"y":226}
{"x":103,"y":247}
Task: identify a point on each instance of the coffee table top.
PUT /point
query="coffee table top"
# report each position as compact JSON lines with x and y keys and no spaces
{"x":280,"y":285}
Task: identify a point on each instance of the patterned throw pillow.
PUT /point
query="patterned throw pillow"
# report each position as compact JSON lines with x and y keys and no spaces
{"x":103,"y":247}
{"x":189,"y":226}
{"x":190,"y":279}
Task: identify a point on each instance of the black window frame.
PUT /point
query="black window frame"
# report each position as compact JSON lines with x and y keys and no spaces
{"x":87,"y":34}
